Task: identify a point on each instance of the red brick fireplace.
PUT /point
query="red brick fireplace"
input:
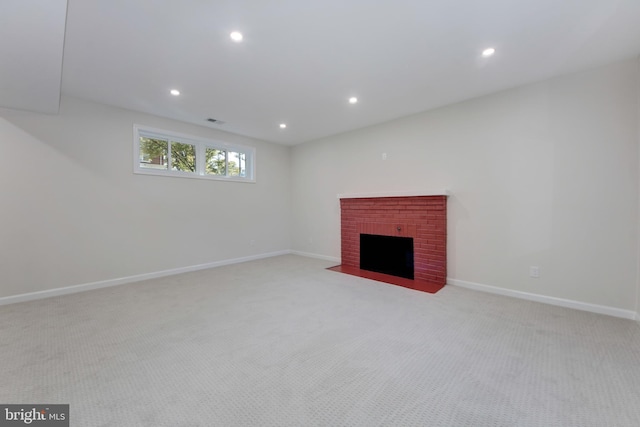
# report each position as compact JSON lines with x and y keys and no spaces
{"x":421,"y":217}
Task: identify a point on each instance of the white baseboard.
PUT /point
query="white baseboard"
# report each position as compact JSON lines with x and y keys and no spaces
{"x":317,"y":256}
{"x":130,"y":279}
{"x":601,"y":309}
{"x":578,"y":305}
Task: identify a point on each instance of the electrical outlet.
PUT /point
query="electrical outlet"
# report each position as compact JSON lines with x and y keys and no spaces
{"x":534,"y":271}
{"x":384,"y":156}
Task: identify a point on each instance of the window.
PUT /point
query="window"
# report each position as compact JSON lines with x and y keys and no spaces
{"x":159,"y":152}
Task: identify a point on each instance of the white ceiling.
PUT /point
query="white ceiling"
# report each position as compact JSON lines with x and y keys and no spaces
{"x":301,"y":60}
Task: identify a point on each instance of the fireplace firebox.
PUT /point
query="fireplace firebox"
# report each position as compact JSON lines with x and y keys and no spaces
{"x":387,"y":254}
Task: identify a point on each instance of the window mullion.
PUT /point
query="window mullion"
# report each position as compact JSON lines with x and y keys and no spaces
{"x":200,"y":154}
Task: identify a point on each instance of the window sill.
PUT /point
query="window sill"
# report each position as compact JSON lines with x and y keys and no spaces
{"x":194,"y":176}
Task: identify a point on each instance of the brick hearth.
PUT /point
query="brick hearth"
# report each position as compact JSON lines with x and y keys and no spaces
{"x":424,"y":218}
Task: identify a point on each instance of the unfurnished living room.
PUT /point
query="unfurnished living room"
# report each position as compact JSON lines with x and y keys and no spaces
{"x":320,"y":213}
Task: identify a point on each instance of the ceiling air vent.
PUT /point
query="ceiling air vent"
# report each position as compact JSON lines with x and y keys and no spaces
{"x":216,"y":121}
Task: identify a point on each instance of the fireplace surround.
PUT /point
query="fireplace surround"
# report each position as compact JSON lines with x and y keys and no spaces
{"x":420,"y":216}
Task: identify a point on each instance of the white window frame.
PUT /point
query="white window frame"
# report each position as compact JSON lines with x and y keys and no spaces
{"x":201,"y":144}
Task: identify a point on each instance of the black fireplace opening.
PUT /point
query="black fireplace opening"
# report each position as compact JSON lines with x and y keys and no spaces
{"x":387,"y":254}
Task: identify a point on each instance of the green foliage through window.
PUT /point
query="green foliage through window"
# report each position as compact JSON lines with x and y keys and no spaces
{"x":153,"y":153}
{"x":183,"y":157}
{"x":216,"y":162}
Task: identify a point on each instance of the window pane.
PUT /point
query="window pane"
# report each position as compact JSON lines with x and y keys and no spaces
{"x":153,"y":153}
{"x":183,"y":157}
{"x":237,"y":164}
{"x":216,"y":162}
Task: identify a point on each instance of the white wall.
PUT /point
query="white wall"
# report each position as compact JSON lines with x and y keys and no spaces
{"x":543,"y":175}
{"x":638,"y":278}
{"x":73,"y":212}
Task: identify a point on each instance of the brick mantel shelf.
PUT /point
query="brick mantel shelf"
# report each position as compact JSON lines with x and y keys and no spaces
{"x":442,"y":192}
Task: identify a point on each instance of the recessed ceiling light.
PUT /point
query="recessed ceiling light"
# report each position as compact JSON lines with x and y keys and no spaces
{"x":353,"y":100}
{"x":283,"y":125}
{"x":175,"y":92}
{"x":488,"y":52}
{"x":236,"y":36}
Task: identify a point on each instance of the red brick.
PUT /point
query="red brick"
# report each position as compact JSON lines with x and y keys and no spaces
{"x":423,"y":218}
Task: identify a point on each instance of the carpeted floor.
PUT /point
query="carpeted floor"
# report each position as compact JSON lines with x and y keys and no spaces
{"x":284,"y":342}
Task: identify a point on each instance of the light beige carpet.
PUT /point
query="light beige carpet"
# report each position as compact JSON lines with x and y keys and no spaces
{"x":284,"y":342}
